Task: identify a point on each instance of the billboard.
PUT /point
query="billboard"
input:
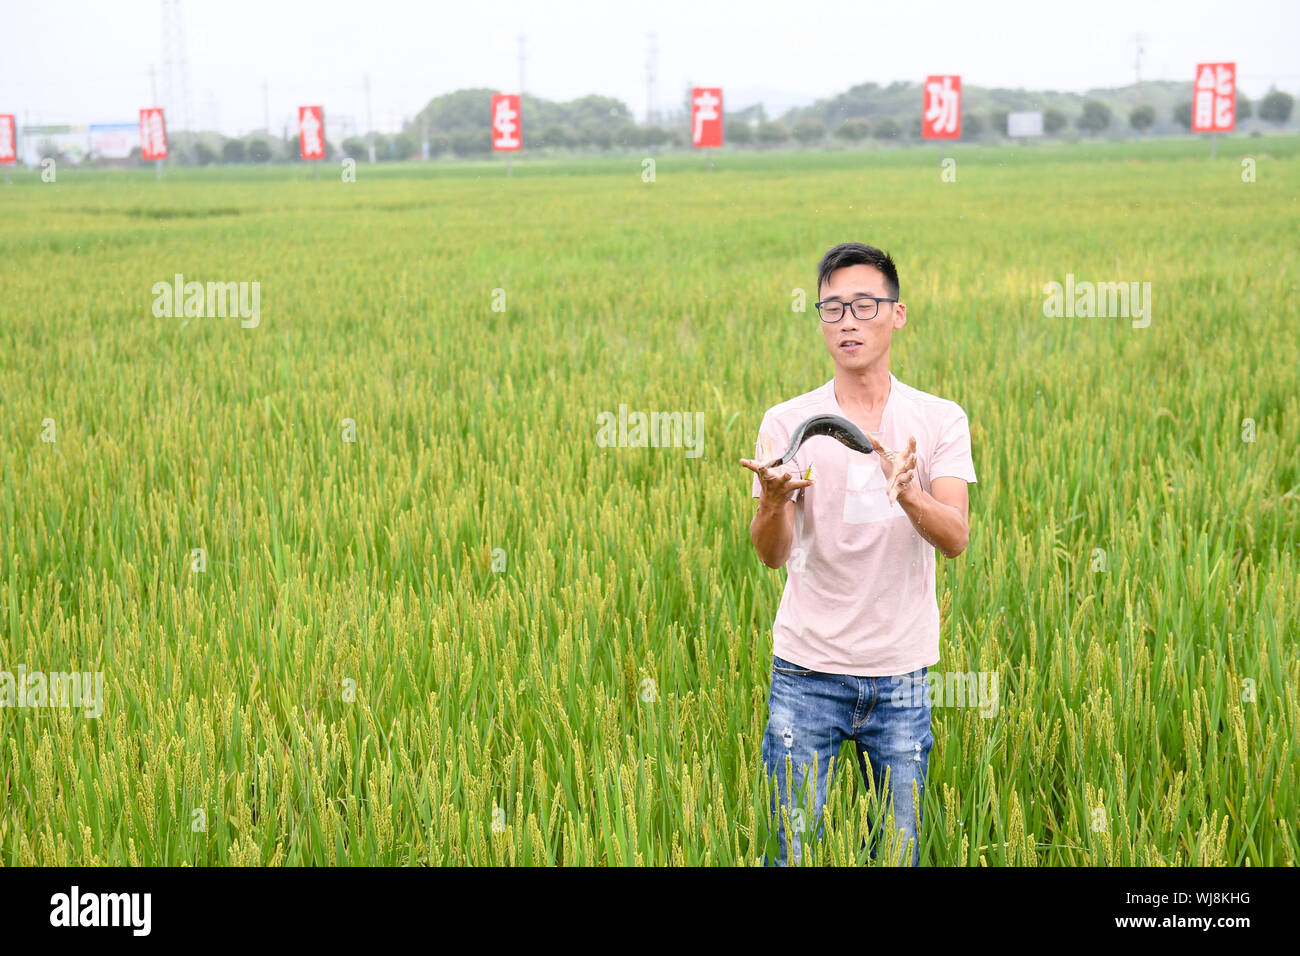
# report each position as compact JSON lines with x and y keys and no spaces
{"x":8,"y":139}
{"x":1214,"y":98}
{"x":706,"y":116}
{"x":113,"y":140}
{"x":153,"y":134}
{"x":311,"y":132}
{"x":1025,"y":124}
{"x":942,"y":116}
{"x":507,"y":123}
{"x":68,"y":141}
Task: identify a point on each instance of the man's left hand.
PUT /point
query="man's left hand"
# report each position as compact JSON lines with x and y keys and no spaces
{"x":899,"y":466}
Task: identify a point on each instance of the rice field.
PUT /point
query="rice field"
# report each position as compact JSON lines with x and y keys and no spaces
{"x":365,"y":587}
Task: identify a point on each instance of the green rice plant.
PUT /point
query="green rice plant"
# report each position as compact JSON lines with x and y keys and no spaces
{"x":475,"y":635}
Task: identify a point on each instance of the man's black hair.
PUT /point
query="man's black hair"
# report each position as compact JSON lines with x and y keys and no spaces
{"x":858,"y":254}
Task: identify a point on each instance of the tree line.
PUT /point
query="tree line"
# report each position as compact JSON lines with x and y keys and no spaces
{"x":458,"y":124}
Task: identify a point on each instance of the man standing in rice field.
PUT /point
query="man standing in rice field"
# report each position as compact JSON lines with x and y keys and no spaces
{"x":858,"y":625}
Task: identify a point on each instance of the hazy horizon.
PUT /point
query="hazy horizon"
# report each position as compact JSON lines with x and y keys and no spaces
{"x":413,"y":52}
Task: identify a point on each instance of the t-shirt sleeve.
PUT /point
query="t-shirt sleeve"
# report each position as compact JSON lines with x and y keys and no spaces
{"x":952,"y":457}
{"x":773,"y":437}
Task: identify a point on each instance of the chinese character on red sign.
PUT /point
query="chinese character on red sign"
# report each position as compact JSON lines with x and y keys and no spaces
{"x":1214,"y":99}
{"x":311,"y":132}
{"x":507,"y":124}
{"x":153,"y":134}
{"x":8,"y":139}
{"x":706,"y":116}
{"x":942,"y":116}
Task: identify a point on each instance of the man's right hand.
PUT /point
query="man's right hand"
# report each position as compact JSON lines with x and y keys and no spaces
{"x":776,"y":485}
{"x":772,"y":530}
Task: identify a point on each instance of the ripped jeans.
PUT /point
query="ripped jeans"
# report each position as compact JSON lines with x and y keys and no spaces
{"x":810,"y":714}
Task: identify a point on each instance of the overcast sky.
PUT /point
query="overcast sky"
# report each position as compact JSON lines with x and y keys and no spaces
{"x":82,"y":61}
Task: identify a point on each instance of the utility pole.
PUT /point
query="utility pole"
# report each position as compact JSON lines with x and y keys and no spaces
{"x":651,"y":66}
{"x":370,"y":121}
{"x":1138,"y":40}
{"x":153,"y":85}
{"x":522,"y":57}
{"x":266,"y":108}
{"x":510,"y":157}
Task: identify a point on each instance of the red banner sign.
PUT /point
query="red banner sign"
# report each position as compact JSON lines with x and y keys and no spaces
{"x":153,"y":134}
{"x":311,"y":132}
{"x":1214,"y":98}
{"x":507,"y":123}
{"x":941,"y":118}
{"x":706,"y":116}
{"x":8,"y":139}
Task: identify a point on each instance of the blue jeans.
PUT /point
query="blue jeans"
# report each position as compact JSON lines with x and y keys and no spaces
{"x":810,"y":714}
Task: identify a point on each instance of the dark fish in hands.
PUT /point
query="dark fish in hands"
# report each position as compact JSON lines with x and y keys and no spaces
{"x":832,"y":426}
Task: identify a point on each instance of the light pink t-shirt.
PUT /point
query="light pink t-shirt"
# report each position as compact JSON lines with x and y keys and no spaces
{"x":859,"y":593}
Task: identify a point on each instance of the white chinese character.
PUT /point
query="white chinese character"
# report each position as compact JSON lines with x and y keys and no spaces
{"x":943,"y":109}
{"x":311,"y":143}
{"x":504,"y":123}
{"x":1223,"y":80}
{"x":1205,"y":79}
{"x":706,"y":109}
{"x":6,"y":140}
{"x":155,"y":140}
{"x":1204,"y":109}
{"x":1223,"y":107}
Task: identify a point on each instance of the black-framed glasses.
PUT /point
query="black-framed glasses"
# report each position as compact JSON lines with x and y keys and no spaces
{"x":864,"y":307}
